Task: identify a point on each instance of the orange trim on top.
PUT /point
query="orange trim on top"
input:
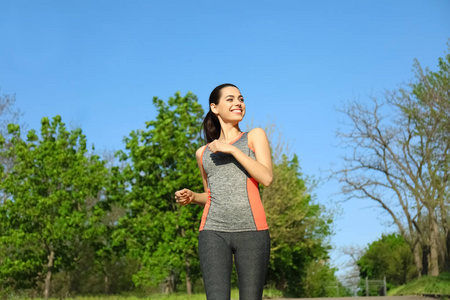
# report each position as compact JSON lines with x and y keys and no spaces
{"x":251,"y":148}
{"x":201,"y":157}
{"x":236,"y":139}
{"x":205,"y":211}
{"x":256,"y":205}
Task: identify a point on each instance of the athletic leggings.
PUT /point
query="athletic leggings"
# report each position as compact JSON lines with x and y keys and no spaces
{"x":251,"y":250}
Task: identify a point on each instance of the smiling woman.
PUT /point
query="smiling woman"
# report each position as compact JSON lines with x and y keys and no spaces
{"x":211,"y":124}
{"x":233,"y":225}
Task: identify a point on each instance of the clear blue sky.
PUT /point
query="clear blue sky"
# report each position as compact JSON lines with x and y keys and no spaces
{"x":99,"y":63}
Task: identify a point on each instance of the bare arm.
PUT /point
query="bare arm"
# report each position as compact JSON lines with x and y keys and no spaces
{"x":186,"y":196}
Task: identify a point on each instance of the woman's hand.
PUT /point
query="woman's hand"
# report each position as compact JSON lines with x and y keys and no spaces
{"x":184,"y":196}
{"x":218,"y":146}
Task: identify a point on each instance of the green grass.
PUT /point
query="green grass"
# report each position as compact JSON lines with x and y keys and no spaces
{"x":425,"y":285}
{"x":175,"y":296}
{"x":119,"y":297}
{"x":272,"y":293}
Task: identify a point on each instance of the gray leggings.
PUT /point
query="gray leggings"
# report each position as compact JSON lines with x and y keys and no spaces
{"x":251,"y":251}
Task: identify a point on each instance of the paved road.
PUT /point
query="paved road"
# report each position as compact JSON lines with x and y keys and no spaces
{"x":362,"y":298}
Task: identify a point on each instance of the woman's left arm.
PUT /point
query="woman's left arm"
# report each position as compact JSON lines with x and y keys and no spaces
{"x":259,"y":169}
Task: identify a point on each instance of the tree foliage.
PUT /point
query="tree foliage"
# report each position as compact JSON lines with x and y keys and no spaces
{"x":298,"y":228}
{"x":321,"y":281}
{"x":400,"y":158}
{"x":389,"y":257}
{"x":161,"y":159}
{"x":50,"y":205}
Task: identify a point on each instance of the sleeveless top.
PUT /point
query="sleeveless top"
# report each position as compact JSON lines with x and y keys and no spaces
{"x":234,"y":203}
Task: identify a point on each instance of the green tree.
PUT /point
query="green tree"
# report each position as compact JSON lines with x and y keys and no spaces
{"x":161,"y":159}
{"x":50,"y":205}
{"x":321,"y":281}
{"x":427,"y":108}
{"x":111,"y":263}
{"x":400,"y":158}
{"x":389,"y":257}
{"x":298,"y":228}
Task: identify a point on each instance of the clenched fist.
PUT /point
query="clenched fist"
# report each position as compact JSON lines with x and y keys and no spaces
{"x":184,"y":196}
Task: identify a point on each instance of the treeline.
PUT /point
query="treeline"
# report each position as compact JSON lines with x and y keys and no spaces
{"x":400,"y":159}
{"x":73,"y":222}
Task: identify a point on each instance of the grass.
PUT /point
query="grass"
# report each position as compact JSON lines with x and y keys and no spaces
{"x":426,"y":285}
{"x":175,"y":296}
{"x":120,"y":297}
{"x":272,"y":293}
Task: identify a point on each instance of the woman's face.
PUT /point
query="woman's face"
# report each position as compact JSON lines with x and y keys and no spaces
{"x":231,"y":107}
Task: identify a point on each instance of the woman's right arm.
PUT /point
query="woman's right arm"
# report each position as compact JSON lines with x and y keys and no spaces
{"x":186,"y":196}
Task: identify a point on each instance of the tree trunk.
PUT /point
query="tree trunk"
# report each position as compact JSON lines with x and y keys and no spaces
{"x":106,"y":280}
{"x":170,"y":284}
{"x":446,"y":238}
{"x":106,"y":283}
{"x":188,"y":277}
{"x":48,"y":277}
{"x":69,"y":284}
{"x":281,"y":283}
{"x":425,"y":255}
{"x":433,"y":269}
{"x":447,"y":253}
{"x":417,"y":259}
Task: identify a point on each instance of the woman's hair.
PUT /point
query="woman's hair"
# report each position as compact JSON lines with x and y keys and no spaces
{"x":211,"y":124}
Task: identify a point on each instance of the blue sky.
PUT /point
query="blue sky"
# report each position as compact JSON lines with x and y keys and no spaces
{"x":99,"y":63}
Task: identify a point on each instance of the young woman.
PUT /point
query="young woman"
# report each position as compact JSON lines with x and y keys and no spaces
{"x":232,"y":165}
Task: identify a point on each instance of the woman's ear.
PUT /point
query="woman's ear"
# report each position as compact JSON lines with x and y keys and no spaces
{"x":213,"y":108}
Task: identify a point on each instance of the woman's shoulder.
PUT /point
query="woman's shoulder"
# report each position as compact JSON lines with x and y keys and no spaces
{"x":257,"y":133}
{"x":257,"y":136}
{"x":200,"y":151}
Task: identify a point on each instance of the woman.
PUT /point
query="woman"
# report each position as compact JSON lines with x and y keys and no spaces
{"x":233,"y":222}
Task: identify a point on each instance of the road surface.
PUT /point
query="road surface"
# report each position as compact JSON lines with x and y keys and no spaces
{"x":361,"y":298}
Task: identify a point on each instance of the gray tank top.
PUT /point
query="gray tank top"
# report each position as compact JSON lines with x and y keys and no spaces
{"x":234,"y":203}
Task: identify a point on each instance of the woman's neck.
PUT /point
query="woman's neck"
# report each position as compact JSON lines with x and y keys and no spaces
{"x":229,"y":132}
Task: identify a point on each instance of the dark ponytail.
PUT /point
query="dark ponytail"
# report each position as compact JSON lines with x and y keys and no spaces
{"x":211,"y":124}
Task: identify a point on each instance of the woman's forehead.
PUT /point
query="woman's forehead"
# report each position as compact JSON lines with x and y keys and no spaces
{"x":230,"y":90}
